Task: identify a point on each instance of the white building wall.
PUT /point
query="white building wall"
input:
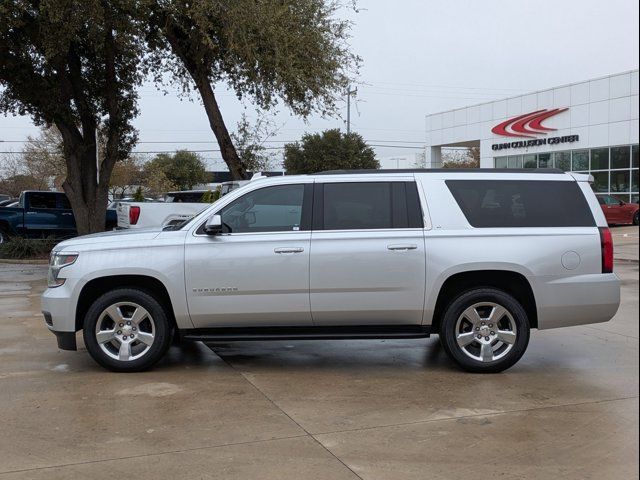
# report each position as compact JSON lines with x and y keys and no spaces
{"x":603,"y":112}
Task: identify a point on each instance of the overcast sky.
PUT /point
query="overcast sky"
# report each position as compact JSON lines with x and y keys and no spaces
{"x":420,"y":57}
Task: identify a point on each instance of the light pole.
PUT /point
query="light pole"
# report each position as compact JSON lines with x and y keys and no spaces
{"x":349,"y":93}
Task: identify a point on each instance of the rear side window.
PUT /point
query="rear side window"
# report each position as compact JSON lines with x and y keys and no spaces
{"x":521,"y":203}
{"x":367,"y":206}
{"x":42,"y":200}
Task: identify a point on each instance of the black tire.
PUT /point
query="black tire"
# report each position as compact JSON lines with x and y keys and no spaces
{"x":161,"y":337}
{"x":635,"y":218}
{"x":4,"y":235}
{"x":449,"y":324}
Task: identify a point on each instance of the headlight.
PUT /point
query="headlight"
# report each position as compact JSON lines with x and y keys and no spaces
{"x":57,"y":262}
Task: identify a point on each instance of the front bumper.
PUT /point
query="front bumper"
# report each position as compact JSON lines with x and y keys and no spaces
{"x":58,"y":307}
{"x":66,"y":340}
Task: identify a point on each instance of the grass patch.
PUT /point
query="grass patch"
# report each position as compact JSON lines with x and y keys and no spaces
{"x":27,"y":248}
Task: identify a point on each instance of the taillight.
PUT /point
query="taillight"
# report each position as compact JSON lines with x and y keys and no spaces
{"x":134,"y":214}
{"x":606,"y":247}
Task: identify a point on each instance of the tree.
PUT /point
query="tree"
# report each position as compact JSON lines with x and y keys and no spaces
{"x":183,"y":169}
{"x":249,"y":141}
{"x":43,"y":157}
{"x":75,"y":64}
{"x":126,"y":173}
{"x":14,"y":184}
{"x":330,"y":150}
{"x":289,"y":50}
{"x":155,"y":180}
{"x":461,"y":158}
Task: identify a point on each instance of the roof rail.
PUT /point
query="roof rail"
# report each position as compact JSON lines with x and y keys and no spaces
{"x":441,"y":170}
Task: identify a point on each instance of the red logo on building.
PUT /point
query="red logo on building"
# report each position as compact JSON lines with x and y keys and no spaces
{"x":527,"y":124}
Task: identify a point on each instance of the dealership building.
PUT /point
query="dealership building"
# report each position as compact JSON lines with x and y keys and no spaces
{"x":587,"y":127}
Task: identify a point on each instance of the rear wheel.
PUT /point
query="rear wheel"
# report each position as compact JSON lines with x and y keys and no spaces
{"x":635,"y":218}
{"x":4,"y":235}
{"x":485,"y":330}
{"x":127,"y":330}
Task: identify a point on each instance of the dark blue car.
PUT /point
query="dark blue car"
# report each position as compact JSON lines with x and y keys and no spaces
{"x":42,"y":214}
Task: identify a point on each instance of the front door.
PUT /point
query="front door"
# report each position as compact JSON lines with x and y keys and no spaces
{"x":256,"y":273}
{"x":613,"y":210}
{"x":367,"y":254}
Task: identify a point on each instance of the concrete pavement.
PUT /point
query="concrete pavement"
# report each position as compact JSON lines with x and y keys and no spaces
{"x":319,"y":410}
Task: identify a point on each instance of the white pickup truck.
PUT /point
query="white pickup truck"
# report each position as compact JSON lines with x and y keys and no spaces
{"x":177,"y":207}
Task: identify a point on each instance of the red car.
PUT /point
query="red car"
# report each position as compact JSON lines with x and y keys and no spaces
{"x":618,"y":212}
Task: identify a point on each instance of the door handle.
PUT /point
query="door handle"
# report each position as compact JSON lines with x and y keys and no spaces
{"x":288,"y":250}
{"x":402,"y":246}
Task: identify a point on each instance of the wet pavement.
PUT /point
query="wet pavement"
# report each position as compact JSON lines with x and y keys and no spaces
{"x":393,"y":409}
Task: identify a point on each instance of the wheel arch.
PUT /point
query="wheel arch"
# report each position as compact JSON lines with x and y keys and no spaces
{"x":514,"y":283}
{"x":96,"y":287}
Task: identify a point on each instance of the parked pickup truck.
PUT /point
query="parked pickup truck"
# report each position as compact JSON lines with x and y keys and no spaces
{"x":177,"y":208}
{"x":478,"y":257}
{"x":42,"y":214}
{"x":136,"y":215}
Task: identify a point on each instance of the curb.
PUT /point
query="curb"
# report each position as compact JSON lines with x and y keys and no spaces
{"x":13,"y":261}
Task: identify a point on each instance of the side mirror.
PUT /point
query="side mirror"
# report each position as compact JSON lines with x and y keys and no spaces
{"x":213,"y":225}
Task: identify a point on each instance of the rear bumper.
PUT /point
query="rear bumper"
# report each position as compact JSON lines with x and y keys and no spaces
{"x":577,"y":300}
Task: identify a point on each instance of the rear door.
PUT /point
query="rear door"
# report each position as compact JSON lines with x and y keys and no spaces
{"x":367,"y":264}
{"x":41,"y":213}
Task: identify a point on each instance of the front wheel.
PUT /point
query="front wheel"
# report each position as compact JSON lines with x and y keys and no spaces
{"x":635,"y":218}
{"x":126,"y":330}
{"x":485,"y":330}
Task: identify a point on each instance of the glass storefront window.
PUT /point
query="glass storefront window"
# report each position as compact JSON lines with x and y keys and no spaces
{"x":562,"y":160}
{"x":580,"y":160}
{"x":634,"y":180}
{"x":620,"y":181}
{"x":620,"y":157}
{"x":544,"y":160}
{"x":600,"y":181}
{"x":600,"y":159}
{"x":515,"y":161}
{"x":501,"y":162}
{"x":634,"y":156}
{"x":530,"y":161}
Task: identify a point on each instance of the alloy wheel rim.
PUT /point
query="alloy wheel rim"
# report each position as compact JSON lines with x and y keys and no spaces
{"x":486,"y":332}
{"x":125,"y":331}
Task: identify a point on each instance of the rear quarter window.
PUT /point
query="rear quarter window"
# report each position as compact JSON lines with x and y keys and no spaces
{"x":521,"y":203}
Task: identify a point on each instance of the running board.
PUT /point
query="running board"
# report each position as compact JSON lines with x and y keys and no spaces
{"x":226,"y":334}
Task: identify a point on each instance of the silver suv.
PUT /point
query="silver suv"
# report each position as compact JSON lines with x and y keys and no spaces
{"x":478,"y":257}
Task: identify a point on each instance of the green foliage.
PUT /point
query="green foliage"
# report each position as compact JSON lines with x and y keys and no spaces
{"x":249,"y":141}
{"x":330,"y":150}
{"x":293,"y":50}
{"x":76,"y":65}
{"x":138,"y":196}
{"x":211,"y":196}
{"x":183,"y":169}
{"x":24,"y":248}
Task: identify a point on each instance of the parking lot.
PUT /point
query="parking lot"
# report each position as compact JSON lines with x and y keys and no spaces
{"x":386,"y":409}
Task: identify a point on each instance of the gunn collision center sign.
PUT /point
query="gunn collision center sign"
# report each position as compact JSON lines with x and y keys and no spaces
{"x":530,"y":126}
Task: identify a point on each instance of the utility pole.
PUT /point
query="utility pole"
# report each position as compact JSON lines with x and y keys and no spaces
{"x":349,"y":93}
